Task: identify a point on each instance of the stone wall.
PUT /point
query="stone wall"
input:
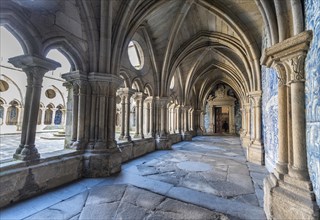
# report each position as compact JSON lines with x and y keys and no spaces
{"x":20,"y":180}
{"x":312,"y":89}
{"x":175,"y":138}
{"x":137,"y":148}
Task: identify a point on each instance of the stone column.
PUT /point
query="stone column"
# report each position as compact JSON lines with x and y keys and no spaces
{"x":35,"y":68}
{"x":292,"y":189}
{"x":80,"y":85}
{"x":126,"y":93}
{"x":68,"y":115}
{"x":178,"y":113}
{"x":26,"y":113}
{"x":103,"y":158}
{"x":75,"y":113}
{"x":282,"y":163}
{"x":243,"y":122}
{"x":197,"y":121}
{"x":299,"y":168}
{"x":146,"y":118}
{"x":141,"y":121}
{"x":247,"y":139}
{"x":80,"y":143}
{"x":162,"y":141}
{"x":150,"y":116}
{"x":211,"y":129}
{"x":137,"y":132}
{"x":123,"y":116}
{"x":232,"y":129}
{"x":187,"y":136}
{"x":256,"y":150}
{"x":139,"y":97}
{"x":53,"y":115}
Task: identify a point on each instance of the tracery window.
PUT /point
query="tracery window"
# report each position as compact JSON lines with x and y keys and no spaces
{"x":58,"y":116}
{"x":12,"y":113}
{"x":1,"y":113}
{"x":39,"y":117}
{"x":48,"y":115}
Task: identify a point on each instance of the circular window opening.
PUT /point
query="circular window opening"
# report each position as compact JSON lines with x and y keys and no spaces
{"x":135,"y":55}
{"x":4,"y":86}
{"x":50,"y":93}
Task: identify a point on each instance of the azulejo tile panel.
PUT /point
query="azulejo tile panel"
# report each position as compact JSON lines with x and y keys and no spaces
{"x":270,"y":115}
{"x":312,"y":90}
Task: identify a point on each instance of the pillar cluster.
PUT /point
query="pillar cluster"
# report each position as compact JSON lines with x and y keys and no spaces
{"x":35,"y":68}
{"x":289,"y":185}
{"x":93,"y":130}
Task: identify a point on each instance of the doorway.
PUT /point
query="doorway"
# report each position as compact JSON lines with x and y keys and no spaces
{"x":221,"y":116}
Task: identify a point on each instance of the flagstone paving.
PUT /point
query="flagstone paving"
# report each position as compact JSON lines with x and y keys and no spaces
{"x":206,"y":178}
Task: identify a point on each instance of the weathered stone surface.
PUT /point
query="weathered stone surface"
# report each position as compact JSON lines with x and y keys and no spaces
{"x":63,"y":210}
{"x":99,"y":211}
{"x":28,"y":181}
{"x":137,"y":203}
{"x":100,"y":195}
{"x":172,"y":209}
{"x":142,"y":198}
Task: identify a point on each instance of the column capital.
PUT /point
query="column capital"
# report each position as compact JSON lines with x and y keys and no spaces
{"x":287,"y":49}
{"x":149,"y":99}
{"x":163,"y":101}
{"x":139,"y":96}
{"x":126,"y":92}
{"x":105,"y":77}
{"x":29,"y":61}
{"x":288,"y":57}
{"x":74,"y":75}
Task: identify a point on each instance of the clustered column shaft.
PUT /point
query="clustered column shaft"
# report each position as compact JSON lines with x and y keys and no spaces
{"x":35,"y":68}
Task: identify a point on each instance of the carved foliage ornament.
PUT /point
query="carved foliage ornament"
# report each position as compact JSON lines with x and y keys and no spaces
{"x":297,"y":65}
{"x":281,"y":74}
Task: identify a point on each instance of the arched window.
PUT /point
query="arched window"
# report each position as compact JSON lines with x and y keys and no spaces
{"x":48,"y":115}
{"x":39,"y":117}
{"x":58,"y":117}
{"x":56,"y":55}
{"x":1,"y":112}
{"x":9,"y":47}
{"x":13,"y":113}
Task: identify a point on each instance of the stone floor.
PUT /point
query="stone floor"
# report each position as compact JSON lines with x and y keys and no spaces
{"x":207,"y":178}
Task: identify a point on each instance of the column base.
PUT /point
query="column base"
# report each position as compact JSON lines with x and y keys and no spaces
{"x":163,"y":143}
{"x":138,"y":136}
{"x":246,"y":141}
{"x":199,"y":132}
{"x":78,"y":145}
{"x":289,"y":198}
{"x":255,"y":153}
{"x":125,"y":138}
{"x":187,"y":136}
{"x":27,"y":154}
{"x":101,"y":163}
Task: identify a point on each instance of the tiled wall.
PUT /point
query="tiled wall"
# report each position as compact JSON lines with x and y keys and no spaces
{"x":312,"y":89}
{"x":269,"y":113}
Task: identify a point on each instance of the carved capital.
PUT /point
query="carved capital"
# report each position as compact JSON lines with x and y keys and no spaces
{"x":281,"y":74}
{"x":297,"y":67}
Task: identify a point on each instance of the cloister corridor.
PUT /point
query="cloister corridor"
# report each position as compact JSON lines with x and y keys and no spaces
{"x":206,"y":178}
